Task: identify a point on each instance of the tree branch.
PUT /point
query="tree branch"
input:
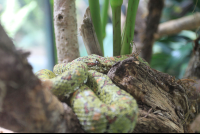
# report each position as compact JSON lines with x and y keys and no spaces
{"x":175,"y":26}
{"x":163,"y":101}
{"x":65,"y":24}
{"x":155,"y":9}
{"x":89,"y":36}
{"x":193,"y":69}
{"x":27,"y":105}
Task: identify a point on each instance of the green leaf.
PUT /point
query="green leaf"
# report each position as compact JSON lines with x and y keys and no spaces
{"x":189,"y":34}
{"x":159,"y":61}
{"x":17,"y":16}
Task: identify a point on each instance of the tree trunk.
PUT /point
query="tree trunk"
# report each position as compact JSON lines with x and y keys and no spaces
{"x":163,"y":100}
{"x":193,"y":69}
{"x":65,"y":24}
{"x":27,"y":105}
{"x":153,"y":19}
{"x":193,"y":72}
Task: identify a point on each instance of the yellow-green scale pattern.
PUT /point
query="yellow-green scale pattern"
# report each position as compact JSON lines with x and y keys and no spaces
{"x":101,"y":64}
{"x":71,"y":78}
{"x":103,"y":107}
{"x":99,"y":104}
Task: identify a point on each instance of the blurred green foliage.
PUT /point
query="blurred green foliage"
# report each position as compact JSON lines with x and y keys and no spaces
{"x":23,"y":17}
{"x":171,"y":54}
{"x":25,"y":24}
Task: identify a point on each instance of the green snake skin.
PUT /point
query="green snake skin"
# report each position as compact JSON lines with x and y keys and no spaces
{"x":99,"y":104}
{"x":69,"y":81}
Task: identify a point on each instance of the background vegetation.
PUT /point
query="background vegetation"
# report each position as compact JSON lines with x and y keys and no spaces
{"x":28,"y":24}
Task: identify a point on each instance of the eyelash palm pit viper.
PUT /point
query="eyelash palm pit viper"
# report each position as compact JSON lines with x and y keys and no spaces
{"x":99,"y":104}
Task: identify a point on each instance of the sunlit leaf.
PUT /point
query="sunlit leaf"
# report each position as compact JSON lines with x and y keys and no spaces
{"x":189,"y":34}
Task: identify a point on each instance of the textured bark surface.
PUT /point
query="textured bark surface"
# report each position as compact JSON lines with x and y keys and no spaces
{"x":27,"y":105}
{"x":193,"y":71}
{"x":163,"y":101}
{"x":155,"y":10}
{"x":65,"y":24}
{"x":89,"y":36}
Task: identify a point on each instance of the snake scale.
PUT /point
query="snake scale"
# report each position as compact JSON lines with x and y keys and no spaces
{"x":98,"y":103}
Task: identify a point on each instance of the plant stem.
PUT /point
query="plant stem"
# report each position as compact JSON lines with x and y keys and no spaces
{"x":116,"y":18}
{"x":54,"y":41}
{"x":104,"y":17}
{"x":95,"y":14}
{"x":129,"y":28}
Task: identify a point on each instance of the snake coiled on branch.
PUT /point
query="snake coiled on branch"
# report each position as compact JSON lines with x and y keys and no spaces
{"x":99,"y":104}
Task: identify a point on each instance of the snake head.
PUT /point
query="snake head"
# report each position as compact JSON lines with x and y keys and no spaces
{"x":94,"y":63}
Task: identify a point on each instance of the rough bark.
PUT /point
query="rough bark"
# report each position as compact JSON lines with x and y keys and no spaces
{"x":163,"y":101}
{"x":196,"y":125}
{"x":89,"y":36}
{"x":193,"y":71}
{"x":27,"y":105}
{"x":155,"y":10}
{"x":65,"y":24}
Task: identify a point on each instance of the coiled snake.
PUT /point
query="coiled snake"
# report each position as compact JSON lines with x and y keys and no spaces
{"x":99,"y":104}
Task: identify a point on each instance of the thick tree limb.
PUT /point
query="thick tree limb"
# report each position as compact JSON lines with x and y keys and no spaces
{"x":175,"y":26}
{"x":163,"y":101}
{"x":65,"y":24}
{"x":27,"y":105}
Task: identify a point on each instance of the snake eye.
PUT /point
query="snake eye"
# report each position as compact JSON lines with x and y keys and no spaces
{"x":97,"y":62}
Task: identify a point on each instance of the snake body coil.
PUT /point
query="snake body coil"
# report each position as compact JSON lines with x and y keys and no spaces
{"x":99,"y":104}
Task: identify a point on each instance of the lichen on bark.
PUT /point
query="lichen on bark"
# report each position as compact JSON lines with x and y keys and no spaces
{"x":65,"y":24}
